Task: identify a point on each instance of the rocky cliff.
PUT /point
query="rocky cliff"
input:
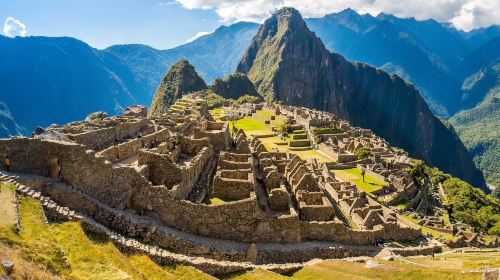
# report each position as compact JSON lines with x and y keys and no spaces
{"x":179,"y":80}
{"x":233,"y":86}
{"x":286,"y":61}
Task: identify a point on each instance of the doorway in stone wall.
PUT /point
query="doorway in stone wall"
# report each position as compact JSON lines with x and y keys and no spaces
{"x":54,"y":167}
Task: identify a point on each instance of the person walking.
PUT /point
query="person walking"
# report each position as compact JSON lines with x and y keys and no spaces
{"x":7,"y":163}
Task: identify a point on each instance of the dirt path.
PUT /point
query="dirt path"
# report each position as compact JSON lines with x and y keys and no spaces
{"x":7,"y":206}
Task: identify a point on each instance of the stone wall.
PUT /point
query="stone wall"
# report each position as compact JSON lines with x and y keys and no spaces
{"x":179,"y":178}
{"x":218,"y":133}
{"x":336,"y":231}
{"x":104,"y":137}
{"x":240,"y":220}
{"x":132,"y":147}
{"x":233,"y":184}
{"x":78,"y":166}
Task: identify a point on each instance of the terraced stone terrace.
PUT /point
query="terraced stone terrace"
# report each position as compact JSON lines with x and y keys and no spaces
{"x":369,"y":184}
{"x":219,"y":194}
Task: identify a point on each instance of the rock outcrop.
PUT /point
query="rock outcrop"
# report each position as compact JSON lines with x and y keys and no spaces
{"x":233,"y":86}
{"x":136,"y":111}
{"x":287,"y":62}
{"x":179,"y":80}
{"x":95,"y":116}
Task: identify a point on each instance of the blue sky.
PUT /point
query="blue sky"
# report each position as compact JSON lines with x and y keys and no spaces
{"x":107,"y":22}
{"x":168,"y":23}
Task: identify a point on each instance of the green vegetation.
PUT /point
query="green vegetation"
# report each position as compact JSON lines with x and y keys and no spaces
{"x":248,"y":99}
{"x":337,"y":269}
{"x":402,"y":204}
{"x":215,"y":200}
{"x":363,"y":152}
{"x":285,"y":128}
{"x":478,"y":129}
{"x":465,"y":203}
{"x":496,"y":192}
{"x":234,"y":86}
{"x":319,"y":130}
{"x":213,"y":100}
{"x":180,"y":79}
{"x":447,"y":267}
{"x":66,"y":251}
{"x":35,"y":242}
{"x":252,"y":126}
{"x":425,"y":230}
{"x":354,"y":175}
{"x":472,"y":206}
{"x":460,"y":261}
{"x":217,"y":113}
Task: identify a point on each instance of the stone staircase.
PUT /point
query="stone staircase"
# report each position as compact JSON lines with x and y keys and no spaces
{"x":55,"y":212}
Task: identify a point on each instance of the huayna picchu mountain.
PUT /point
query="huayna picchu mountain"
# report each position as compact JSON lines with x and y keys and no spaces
{"x":233,"y":86}
{"x":179,"y":80}
{"x":287,"y":62}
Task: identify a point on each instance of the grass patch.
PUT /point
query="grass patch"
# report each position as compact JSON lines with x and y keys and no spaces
{"x":252,"y":126}
{"x":461,"y":261}
{"x":93,"y":256}
{"x":354,"y":175}
{"x":336,"y":269}
{"x":217,"y":113}
{"x":256,"y":274}
{"x":36,"y":242}
{"x":41,"y":250}
{"x":402,"y":204}
{"x":310,"y":154}
{"x":215,"y":200}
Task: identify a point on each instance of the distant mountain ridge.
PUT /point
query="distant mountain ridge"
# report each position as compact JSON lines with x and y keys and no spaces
{"x":70,"y":79}
{"x":56,"y":80}
{"x":426,"y":53}
{"x":287,"y":62}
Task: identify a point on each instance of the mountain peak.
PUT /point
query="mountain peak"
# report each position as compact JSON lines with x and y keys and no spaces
{"x":284,"y":29}
{"x":284,"y":19}
{"x":287,"y":62}
{"x":180,"y":79}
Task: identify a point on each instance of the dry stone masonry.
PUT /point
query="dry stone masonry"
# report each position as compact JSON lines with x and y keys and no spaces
{"x":183,"y":182}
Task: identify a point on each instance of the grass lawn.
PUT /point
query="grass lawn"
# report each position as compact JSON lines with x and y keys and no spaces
{"x":215,"y":200}
{"x":461,"y":261}
{"x":252,"y":126}
{"x":36,"y":242}
{"x":273,"y":142}
{"x":217,"y":113}
{"x":402,"y":204}
{"x":41,"y":251}
{"x":338,"y":269}
{"x":354,"y":175}
{"x":310,"y":154}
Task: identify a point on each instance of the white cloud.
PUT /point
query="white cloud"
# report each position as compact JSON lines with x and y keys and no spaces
{"x":197,"y":35}
{"x":14,"y":27}
{"x":464,"y":14}
{"x":477,"y":13}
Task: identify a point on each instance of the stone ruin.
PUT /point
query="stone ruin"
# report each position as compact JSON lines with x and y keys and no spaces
{"x":151,"y":178}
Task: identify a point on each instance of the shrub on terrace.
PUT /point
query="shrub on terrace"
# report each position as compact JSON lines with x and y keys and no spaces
{"x":465,"y":203}
{"x":363,"y":152}
{"x":248,"y":99}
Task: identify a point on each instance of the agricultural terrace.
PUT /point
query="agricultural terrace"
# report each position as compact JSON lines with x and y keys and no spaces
{"x":261,"y":124}
{"x":353,"y":175}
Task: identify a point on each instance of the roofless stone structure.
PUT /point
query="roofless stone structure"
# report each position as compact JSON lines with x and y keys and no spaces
{"x":151,"y":179}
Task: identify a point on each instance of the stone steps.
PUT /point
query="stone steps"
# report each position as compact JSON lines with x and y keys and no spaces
{"x":158,"y":254}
